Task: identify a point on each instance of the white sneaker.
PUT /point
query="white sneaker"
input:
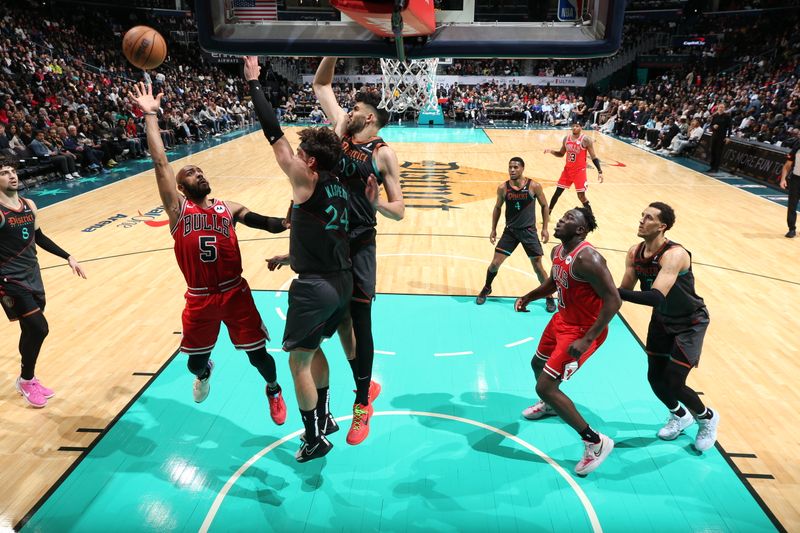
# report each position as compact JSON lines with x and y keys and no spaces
{"x":538,"y":410}
{"x":202,"y":386}
{"x":594,"y":455}
{"x":707,"y":435}
{"x":76,"y":176}
{"x":675,"y":426}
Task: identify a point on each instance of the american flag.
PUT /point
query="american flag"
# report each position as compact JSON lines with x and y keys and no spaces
{"x":255,"y":10}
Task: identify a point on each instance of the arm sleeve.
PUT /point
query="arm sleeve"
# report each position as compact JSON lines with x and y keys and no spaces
{"x":653,"y":297}
{"x":44,"y":242}
{"x":265,"y":113}
{"x":270,"y":224}
{"x":596,"y":162}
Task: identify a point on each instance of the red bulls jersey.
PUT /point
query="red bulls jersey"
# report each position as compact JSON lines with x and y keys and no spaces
{"x":576,"y":153}
{"x":578,"y":303}
{"x":207,"y":249}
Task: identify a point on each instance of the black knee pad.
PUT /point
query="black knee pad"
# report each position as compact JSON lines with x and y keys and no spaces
{"x":35,"y":325}
{"x":197,"y":363}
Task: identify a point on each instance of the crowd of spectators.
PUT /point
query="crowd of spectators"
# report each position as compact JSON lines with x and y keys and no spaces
{"x":63,"y":91}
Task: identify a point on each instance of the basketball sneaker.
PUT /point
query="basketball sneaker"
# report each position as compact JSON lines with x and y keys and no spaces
{"x":550,"y":305}
{"x":538,"y":410}
{"x":202,"y":386}
{"x":30,"y":390}
{"x":374,"y":390}
{"x":314,"y":451}
{"x":707,"y":435}
{"x":481,"y":299}
{"x":326,"y":424}
{"x":277,"y":407}
{"x":675,"y":426}
{"x":594,"y":455}
{"x":359,"y":428}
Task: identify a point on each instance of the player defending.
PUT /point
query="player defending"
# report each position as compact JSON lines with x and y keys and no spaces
{"x":208,"y":254}
{"x":518,"y":195}
{"x":318,"y":252}
{"x":575,"y":147}
{"x":21,"y":287}
{"x":677,"y":326}
{"x":587,"y":301}
{"x":366,"y":159}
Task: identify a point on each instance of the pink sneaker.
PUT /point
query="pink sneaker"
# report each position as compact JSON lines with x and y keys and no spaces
{"x":30,"y":391}
{"x":47,"y":393}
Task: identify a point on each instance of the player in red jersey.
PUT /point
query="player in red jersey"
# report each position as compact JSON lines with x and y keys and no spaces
{"x":587,"y":301}
{"x":208,"y":254}
{"x":575,"y":147}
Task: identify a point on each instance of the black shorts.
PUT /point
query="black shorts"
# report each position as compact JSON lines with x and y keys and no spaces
{"x":363,"y":256}
{"x":527,"y":237}
{"x":19,"y":301}
{"x":317,"y":304}
{"x":680,"y":338}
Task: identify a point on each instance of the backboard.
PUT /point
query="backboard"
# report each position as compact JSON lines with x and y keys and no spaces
{"x":463,"y":30}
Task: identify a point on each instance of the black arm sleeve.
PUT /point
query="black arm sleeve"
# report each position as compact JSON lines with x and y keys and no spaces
{"x":596,"y":162}
{"x":270,"y":224}
{"x":266,"y":115}
{"x":653,"y":297}
{"x":44,"y":242}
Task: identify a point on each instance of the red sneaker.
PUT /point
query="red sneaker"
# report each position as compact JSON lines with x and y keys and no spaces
{"x":374,"y":391}
{"x":277,"y":408}
{"x":360,"y":426}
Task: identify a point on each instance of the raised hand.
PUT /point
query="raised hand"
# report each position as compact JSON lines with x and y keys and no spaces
{"x":143,"y":96}
{"x":251,"y":68}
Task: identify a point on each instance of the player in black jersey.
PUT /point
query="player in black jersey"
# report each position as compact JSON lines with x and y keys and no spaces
{"x":319,"y":253}
{"x":518,"y":194}
{"x":677,"y":326}
{"x":367,"y":163}
{"x":21,"y":287}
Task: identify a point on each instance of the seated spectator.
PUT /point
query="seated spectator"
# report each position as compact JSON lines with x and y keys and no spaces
{"x":45,"y":150}
{"x":681,"y":145}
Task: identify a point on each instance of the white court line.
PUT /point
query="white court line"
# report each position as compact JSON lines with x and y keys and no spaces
{"x":385,"y":353}
{"x":587,"y":505}
{"x":451,"y":354}
{"x":274,"y":350}
{"x":280,"y":313}
{"x":517,"y":343}
{"x":465,"y":258}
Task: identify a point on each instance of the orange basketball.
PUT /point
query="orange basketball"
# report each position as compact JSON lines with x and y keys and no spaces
{"x":144,"y":47}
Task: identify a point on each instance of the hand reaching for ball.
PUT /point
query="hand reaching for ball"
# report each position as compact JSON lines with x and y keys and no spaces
{"x":143,"y":96}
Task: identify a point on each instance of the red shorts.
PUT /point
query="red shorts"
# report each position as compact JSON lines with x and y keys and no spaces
{"x":202,"y":316}
{"x":573,"y":176}
{"x":555,"y":342}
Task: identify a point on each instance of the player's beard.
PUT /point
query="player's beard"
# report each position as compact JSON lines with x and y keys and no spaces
{"x":196,"y":192}
{"x":356,"y":125}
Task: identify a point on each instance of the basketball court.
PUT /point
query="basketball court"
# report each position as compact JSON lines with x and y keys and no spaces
{"x":448,"y":448}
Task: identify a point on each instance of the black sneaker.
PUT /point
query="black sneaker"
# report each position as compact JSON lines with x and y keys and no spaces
{"x":550,"y":305}
{"x":791,"y":234}
{"x":326,"y":427}
{"x":308,"y":453}
{"x":481,"y":299}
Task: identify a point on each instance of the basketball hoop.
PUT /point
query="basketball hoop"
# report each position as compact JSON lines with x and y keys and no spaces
{"x":409,"y":85}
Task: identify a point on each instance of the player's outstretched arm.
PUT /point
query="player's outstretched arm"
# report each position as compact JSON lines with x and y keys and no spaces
{"x":323,"y":89}
{"x":591,"y":266}
{"x":538,"y":192}
{"x":595,"y":159}
{"x":559,"y":153}
{"x":498,"y":208}
{"x":44,"y":242}
{"x":394,"y":206}
{"x":284,"y":155}
{"x":165,"y":177}
{"x":254,"y":220}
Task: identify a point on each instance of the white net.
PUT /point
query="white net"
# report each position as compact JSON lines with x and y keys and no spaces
{"x":409,"y":85}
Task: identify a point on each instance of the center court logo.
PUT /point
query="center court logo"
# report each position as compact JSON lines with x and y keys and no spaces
{"x":148,"y":218}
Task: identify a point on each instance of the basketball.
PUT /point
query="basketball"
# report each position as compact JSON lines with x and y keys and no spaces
{"x":144,"y":47}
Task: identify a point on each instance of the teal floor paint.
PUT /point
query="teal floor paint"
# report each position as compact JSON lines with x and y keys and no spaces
{"x":431,"y":135}
{"x":423,"y":468}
